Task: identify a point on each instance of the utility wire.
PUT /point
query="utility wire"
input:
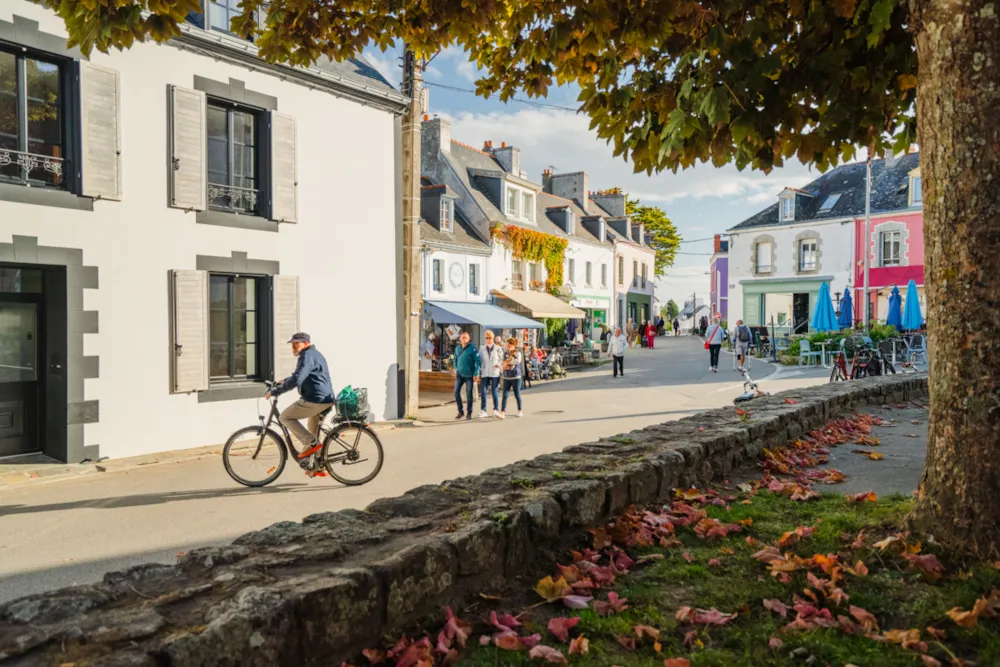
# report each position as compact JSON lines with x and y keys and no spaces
{"x":541,"y":105}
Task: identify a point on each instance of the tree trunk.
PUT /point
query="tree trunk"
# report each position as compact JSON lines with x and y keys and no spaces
{"x":958,"y":114}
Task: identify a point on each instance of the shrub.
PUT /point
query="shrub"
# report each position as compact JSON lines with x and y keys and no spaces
{"x":880,"y":332}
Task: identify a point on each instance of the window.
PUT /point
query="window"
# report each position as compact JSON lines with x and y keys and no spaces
{"x":891,"y":249}
{"x":916,"y":191}
{"x":808,"y":255}
{"x":528,"y":206}
{"x":763,"y":258}
{"x":232,"y":159}
{"x":588,"y":274}
{"x":570,"y":222}
{"x":473,"y":279}
{"x":233,"y":327}
{"x":635,"y":273}
{"x":534,"y":275}
{"x":512,"y":202}
{"x":446,"y":221}
{"x":32,"y":116}
{"x":604,"y":275}
{"x":570,"y":271}
{"x":644,"y":274}
{"x":516,"y":277}
{"x":220,"y":14}
{"x":621,"y":270}
{"x":438,"y":275}
{"x":787,"y":208}
{"x":829,"y":202}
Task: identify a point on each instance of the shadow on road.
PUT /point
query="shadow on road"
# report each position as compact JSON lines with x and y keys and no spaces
{"x":142,"y":499}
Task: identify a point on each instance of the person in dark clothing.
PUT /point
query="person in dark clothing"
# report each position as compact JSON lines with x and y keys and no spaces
{"x":312,"y":379}
{"x":465,"y":368}
{"x":677,"y":327}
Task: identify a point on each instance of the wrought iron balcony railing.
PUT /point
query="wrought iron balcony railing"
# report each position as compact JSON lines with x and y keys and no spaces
{"x":31,"y":168}
{"x":232,"y":198}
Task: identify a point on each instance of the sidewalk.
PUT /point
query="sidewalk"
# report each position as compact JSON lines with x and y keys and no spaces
{"x":38,"y":467}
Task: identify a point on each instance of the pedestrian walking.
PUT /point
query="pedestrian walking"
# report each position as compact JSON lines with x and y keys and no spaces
{"x":511,"y":378}
{"x":465,"y":368}
{"x":630,"y":332}
{"x":742,"y":337}
{"x":616,"y":350}
{"x":490,"y":360}
{"x":714,"y":343}
{"x":677,"y":327}
{"x":650,"y":334}
{"x":702,"y":326}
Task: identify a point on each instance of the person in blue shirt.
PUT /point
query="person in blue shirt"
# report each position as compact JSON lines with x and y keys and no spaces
{"x":312,"y":379}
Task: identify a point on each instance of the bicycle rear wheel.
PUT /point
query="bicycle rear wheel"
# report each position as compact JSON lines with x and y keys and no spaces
{"x":254,"y":456}
{"x":837,"y":374}
{"x":352,"y":454}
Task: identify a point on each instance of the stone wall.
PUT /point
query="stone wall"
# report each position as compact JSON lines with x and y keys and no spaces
{"x":319,"y":591}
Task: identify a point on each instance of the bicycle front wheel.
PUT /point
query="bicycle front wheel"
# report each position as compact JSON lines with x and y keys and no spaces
{"x":837,"y":374}
{"x":254,"y":456}
{"x":352,"y":454}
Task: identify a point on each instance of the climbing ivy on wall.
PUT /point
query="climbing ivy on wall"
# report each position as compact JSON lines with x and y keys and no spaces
{"x":532,"y":246}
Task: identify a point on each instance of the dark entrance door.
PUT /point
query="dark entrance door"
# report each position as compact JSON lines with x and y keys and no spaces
{"x":20,"y":342}
{"x":800,"y":312}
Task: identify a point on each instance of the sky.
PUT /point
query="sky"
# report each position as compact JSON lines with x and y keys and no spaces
{"x":701,"y":201}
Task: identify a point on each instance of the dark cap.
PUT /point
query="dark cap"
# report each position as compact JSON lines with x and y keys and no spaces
{"x":300,"y":337}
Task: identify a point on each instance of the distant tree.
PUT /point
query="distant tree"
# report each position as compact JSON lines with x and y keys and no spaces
{"x":664,"y":237}
{"x":672,"y":310}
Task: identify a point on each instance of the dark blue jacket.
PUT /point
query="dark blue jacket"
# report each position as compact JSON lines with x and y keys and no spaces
{"x":311,"y":376}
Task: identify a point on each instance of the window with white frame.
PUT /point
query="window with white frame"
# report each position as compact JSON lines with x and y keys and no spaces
{"x":535,"y":276}
{"x":621,"y":270}
{"x":604,"y":275}
{"x":520,"y":203}
{"x":808,"y":255}
{"x":635,"y":273}
{"x":438,"y":275}
{"x":473,"y":279}
{"x":570,"y":222}
{"x":644,"y":274}
{"x":787,"y":208}
{"x":446,"y":219}
{"x":588,"y":274}
{"x":916,"y":191}
{"x":218,"y":15}
{"x":516,"y":275}
{"x":891,"y":249}
{"x":762,"y":257}
{"x":570,"y":271}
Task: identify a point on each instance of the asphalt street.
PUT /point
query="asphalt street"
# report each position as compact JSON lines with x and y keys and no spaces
{"x":72,"y":531}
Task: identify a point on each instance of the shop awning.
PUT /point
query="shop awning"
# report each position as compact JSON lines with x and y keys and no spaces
{"x":539,"y":305}
{"x":483,"y":314}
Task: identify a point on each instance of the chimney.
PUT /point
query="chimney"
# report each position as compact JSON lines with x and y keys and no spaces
{"x":613,"y":203}
{"x":571,"y":186}
{"x":436,"y":132}
{"x":718,"y":243}
{"x":547,"y":180}
{"x":509,"y":158}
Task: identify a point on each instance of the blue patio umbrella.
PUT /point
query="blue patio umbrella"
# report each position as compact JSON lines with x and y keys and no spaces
{"x":846,"y":319}
{"x":824,"y":318}
{"x":895,"y":316}
{"x":912,"y":319}
{"x":571,"y":329}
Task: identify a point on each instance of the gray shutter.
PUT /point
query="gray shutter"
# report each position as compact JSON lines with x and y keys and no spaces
{"x":751,"y":310}
{"x":284,"y":169}
{"x":189,"y":344}
{"x":100,"y":132}
{"x":285,"y":292}
{"x":188,"y":170}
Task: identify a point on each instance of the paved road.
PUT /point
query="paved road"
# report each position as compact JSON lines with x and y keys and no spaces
{"x":53,"y":534}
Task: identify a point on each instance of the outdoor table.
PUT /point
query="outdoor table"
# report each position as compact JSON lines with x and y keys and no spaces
{"x":822,"y":346}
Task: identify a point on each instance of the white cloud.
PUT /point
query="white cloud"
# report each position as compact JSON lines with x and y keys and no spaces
{"x":386,"y":65}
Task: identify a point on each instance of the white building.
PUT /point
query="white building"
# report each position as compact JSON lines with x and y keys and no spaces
{"x":169,"y":216}
{"x":779,"y":258}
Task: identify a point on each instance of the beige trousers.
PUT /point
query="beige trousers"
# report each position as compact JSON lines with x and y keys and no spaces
{"x":300,"y":409}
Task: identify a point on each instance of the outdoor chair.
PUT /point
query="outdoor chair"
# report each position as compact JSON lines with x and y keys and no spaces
{"x":916,"y":349}
{"x":782,"y":344}
{"x":806,"y":353}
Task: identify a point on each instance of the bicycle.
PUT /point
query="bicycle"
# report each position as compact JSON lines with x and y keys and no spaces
{"x":349,"y":436}
{"x":750,"y":389}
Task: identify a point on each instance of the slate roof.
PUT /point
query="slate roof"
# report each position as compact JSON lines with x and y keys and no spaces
{"x":465,"y":157}
{"x":358,"y":70}
{"x":461,"y":236}
{"x":890,"y":192}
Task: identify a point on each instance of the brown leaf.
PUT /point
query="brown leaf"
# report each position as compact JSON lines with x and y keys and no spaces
{"x":930,"y":662}
{"x":777,"y":606}
{"x":579,"y":646}
{"x":676,"y":662}
{"x":643,"y":631}
{"x":865,"y":618}
{"x":553,"y":590}
{"x":548,"y":654}
{"x":688,"y":557}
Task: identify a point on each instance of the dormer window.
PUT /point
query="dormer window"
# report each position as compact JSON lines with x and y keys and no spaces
{"x":520,"y":204}
{"x":787,"y":208}
{"x":447,"y":221}
{"x":916,"y":190}
{"x":830,"y":202}
{"x":570,"y":222}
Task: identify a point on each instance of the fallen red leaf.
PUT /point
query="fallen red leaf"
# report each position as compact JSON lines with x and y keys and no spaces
{"x":777,"y":606}
{"x":579,"y":646}
{"x":676,"y":662}
{"x":688,"y":557}
{"x":548,"y":654}
{"x":775,"y":643}
{"x":560,"y":627}
{"x":868,"y":496}
{"x":643,"y":631}
{"x":504,"y":623}
{"x":928,"y":564}
{"x":865,"y":618}
{"x":790,"y":401}
{"x":614,"y":605}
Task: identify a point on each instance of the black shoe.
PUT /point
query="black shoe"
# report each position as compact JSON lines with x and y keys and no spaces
{"x":460,"y":415}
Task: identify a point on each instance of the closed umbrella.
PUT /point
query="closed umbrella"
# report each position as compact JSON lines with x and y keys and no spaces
{"x":571,"y":329}
{"x":912,"y":319}
{"x":895,"y":316}
{"x":846,"y":319}
{"x":824,"y":318}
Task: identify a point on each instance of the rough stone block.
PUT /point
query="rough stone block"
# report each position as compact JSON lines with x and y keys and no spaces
{"x":643,"y":483}
{"x":545,"y":515}
{"x":582,"y":501}
{"x":334,"y":611}
{"x":479,"y":547}
{"x":415,"y":579}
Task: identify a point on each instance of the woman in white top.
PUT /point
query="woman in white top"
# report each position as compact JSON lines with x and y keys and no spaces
{"x":714,"y":336}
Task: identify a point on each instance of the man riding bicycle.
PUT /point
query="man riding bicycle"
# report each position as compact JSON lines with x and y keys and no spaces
{"x":312,"y":379}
